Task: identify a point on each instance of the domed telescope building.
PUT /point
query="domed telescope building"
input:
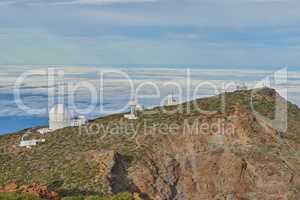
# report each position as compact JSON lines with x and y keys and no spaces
{"x":59,"y":117}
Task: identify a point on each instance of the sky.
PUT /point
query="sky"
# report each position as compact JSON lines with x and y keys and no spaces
{"x":159,"y":32}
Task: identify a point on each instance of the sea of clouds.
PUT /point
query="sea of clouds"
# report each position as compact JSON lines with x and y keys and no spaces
{"x":116,"y":88}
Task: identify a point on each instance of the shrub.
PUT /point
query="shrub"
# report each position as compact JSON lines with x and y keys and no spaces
{"x":73,"y":198}
{"x":17,"y":196}
{"x":123,"y":196}
{"x":97,"y":198}
{"x":120,"y":196}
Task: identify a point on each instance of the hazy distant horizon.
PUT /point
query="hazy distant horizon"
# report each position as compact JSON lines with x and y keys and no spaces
{"x":34,"y":90}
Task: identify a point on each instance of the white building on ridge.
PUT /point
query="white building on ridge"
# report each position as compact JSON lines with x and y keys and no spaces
{"x":28,"y":143}
{"x":78,"y":121}
{"x":171,"y":100}
{"x":134,"y":109}
{"x":241,"y":86}
{"x":59,"y":117}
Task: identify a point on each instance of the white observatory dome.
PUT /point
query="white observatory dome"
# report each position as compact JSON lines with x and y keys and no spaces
{"x":59,"y":117}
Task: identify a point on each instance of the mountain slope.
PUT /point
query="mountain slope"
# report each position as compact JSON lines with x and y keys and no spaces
{"x":230,"y":152}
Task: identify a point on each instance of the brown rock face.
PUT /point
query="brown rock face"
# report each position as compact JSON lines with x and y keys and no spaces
{"x":249,"y":164}
{"x":34,"y":189}
{"x":11,"y":187}
{"x":39,"y":191}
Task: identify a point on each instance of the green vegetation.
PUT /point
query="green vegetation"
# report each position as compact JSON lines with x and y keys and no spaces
{"x":24,"y":196}
{"x":17,"y":196}
{"x":120,"y":196}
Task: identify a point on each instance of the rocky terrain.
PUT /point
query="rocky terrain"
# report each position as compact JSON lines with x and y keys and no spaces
{"x":204,"y":149}
{"x":35,"y":190}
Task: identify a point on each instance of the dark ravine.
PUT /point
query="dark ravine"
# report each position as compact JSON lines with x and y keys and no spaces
{"x":256,"y":161}
{"x":118,"y":175}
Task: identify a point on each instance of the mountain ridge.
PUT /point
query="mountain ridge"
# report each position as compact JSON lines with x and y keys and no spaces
{"x":252,"y":161}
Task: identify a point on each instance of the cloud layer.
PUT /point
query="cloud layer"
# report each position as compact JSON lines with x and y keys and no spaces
{"x":101,"y":2}
{"x":34,"y":91}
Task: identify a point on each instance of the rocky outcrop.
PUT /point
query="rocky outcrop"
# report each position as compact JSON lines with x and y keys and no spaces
{"x":39,"y":191}
{"x":11,"y":187}
{"x":34,"y":189}
{"x":244,"y":165}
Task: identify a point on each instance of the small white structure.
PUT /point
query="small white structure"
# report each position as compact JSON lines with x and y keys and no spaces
{"x":78,"y":121}
{"x":170,"y":101}
{"x":139,"y":108}
{"x":29,"y":143}
{"x":58,"y":117}
{"x":133,"y":110}
{"x":44,"y":130}
{"x":221,"y":90}
{"x":241,"y":87}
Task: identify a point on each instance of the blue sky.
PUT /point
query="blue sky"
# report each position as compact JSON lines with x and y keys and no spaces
{"x":204,"y":32}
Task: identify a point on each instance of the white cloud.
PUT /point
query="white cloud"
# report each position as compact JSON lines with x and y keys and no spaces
{"x":4,"y":3}
{"x":72,"y":2}
{"x":101,"y":2}
{"x":36,"y":96}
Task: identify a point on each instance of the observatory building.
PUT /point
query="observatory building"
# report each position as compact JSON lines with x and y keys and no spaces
{"x":78,"y":121}
{"x":28,"y":143}
{"x":59,"y":117}
{"x":134,"y":109}
{"x":241,"y":87}
{"x":171,"y":101}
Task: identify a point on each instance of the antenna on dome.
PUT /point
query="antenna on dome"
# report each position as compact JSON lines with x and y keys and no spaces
{"x":170,"y":101}
{"x":134,"y":109}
